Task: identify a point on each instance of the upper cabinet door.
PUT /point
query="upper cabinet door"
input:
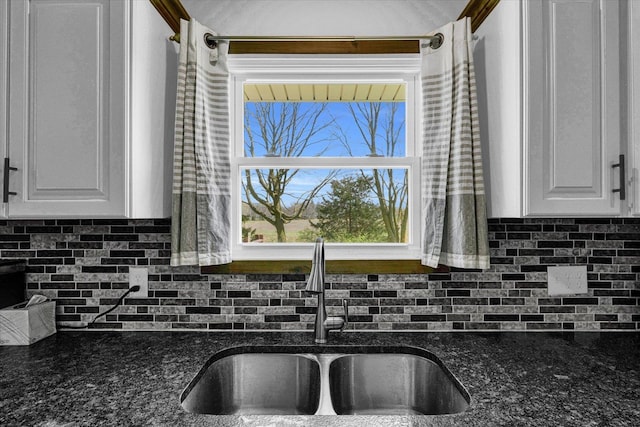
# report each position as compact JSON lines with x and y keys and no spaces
{"x":68,"y":108}
{"x":572,"y":107}
{"x":4,"y":67}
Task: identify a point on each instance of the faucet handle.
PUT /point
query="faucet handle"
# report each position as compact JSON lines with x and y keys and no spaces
{"x":345,"y":306}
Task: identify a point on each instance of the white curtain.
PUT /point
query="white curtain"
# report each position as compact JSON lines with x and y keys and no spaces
{"x":453,"y":199}
{"x":201,"y":207}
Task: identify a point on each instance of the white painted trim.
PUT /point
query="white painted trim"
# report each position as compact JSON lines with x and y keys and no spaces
{"x":327,"y":162}
{"x":296,"y":65}
{"x":128,"y":108}
{"x":633,"y":162}
{"x":326,"y":69}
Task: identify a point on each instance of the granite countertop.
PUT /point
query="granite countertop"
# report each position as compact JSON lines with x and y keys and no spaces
{"x":135,"y":378}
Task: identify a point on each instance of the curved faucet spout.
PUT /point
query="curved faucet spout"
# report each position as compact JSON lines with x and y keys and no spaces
{"x":315,"y":284}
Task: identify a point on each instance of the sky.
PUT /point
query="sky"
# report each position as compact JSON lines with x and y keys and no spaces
{"x":338,"y":113}
{"x":325,"y":142}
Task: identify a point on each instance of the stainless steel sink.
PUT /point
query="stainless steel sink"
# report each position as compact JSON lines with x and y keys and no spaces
{"x":392,"y":384}
{"x":252,"y":383}
{"x":325,"y":380}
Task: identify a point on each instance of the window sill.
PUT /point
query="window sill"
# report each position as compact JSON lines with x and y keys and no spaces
{"x":332,"y":267}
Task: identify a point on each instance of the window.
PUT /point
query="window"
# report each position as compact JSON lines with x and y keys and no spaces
{"x":325,"y":146}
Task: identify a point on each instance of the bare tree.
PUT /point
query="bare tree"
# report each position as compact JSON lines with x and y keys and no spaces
{"x":284,"y":129}
{"x":380,"y":129}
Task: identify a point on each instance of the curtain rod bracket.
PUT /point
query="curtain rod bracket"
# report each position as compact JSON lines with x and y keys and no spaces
{"x":436,"y":41}
{"x":210,"y":41}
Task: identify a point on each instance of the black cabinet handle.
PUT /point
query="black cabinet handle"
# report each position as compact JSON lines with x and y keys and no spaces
{"x":6,"y":193}
{"x":623,"y":180}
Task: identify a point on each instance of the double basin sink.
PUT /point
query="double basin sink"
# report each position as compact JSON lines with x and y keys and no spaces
{"x":318,"y":380}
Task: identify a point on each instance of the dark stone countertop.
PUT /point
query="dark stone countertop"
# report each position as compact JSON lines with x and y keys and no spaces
{"x":135,"y":378}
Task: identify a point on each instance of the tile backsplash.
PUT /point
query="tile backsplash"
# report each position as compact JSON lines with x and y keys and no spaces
{"x":84,"y":264}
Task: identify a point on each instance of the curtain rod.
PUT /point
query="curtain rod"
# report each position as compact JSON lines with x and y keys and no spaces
{"x":211,"y":40}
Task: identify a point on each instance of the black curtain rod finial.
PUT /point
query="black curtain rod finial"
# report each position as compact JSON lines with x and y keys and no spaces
{"x":436,"y":41}
{"x":210,"y":41}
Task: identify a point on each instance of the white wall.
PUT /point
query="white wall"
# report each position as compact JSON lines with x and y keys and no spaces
{"x":154,"y":60}
{"x":324,"y":17}
{"x":498,"y":75}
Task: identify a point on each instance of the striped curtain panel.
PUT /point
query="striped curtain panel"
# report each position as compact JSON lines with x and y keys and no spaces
{"x":453,"y":199}
{"x":201,"y":210}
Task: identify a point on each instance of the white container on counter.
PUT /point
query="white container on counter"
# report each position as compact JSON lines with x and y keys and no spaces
{"x":22,"y":325}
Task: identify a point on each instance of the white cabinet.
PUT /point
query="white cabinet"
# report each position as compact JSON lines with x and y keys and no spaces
{"x":633,"y":71}
{"x":552,"y":114}
{"x":86,"y":78}
{"x":4,"y":65}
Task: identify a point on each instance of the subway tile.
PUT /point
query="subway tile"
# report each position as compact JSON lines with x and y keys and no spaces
{"x":459,"y":285}
{"x":103,"y":325}
{"x":57,"y":285}
{"x":501,"y":317}
{"x":519,"y":236}
{"x":250,"y":302}
{"x":524,"y":227}
{"x":391,"y":310}
{"x":125,"y":229}
{"x":264,"y":278}
{"x":433,"y":301}
{"x":397,"y":301}
{"x":512,"y":301}
{"x":533,"y":268}
{"x":239,"y":294}
{"x":624,"y":301}
{"x":99,"y":269}
{"x":531,"y":317}
{"x":70,"y":301}
{"x":428,"y":318}
{"x":579,"y":301}
{"x":618,"y":276}
{"x":513,"y":276}
{"x":135,"y":317}
{"x":360,"y":294}
{"x":202,"y":310}
{"x":617,"y":325}
{"x":541,"y":326}
{"x":285,"y":318}
{"x":165,"y":294}
{"x":470,"y":301}
{"x":531,"y":285}
{"x":623,"y":236}
{"x":361,"y":319}
{"x":490,"y":285}
{"x":188,"y":325}
{"x":68,"y":294}
{"x":222,"y":326}
{"x":458,"y":293}
{"x":95,"y":255}
{"x":385,"y":294}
